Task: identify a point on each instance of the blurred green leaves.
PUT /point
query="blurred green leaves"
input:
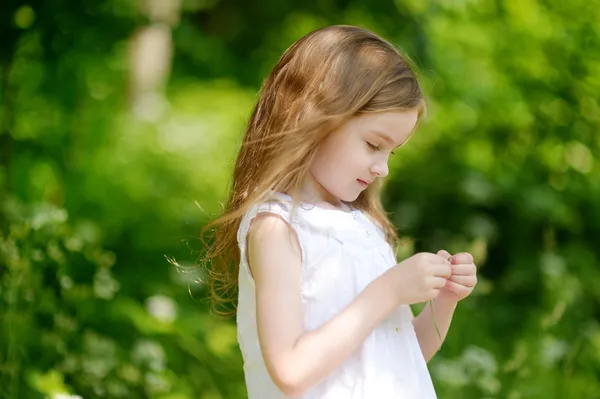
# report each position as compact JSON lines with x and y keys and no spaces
{"x":100,"y":180}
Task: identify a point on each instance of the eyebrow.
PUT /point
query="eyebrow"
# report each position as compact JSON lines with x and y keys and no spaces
{"x":387,"y":138}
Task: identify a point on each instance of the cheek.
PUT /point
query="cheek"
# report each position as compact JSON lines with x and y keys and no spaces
{"x":337,"y":160}
{"x":324,"y":168}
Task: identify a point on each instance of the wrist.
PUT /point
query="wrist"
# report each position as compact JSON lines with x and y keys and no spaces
{"x":446,"y":300}
{"x":389,"y":286}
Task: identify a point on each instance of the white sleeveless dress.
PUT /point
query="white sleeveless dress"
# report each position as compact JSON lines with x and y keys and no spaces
{"x":342,"y":252}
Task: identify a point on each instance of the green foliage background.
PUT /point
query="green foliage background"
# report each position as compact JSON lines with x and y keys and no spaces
{"x":98,"y":187}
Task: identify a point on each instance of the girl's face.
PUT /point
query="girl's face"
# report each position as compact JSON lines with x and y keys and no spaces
{"x":353,"y":156}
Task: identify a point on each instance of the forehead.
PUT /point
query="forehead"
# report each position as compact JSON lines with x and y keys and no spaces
{"x":393,"y":127}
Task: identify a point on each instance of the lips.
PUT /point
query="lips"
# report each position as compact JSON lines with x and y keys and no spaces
{"x":364,"y":183}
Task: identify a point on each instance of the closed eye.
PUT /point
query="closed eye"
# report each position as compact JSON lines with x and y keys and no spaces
{"x":373,"y":146}
{"x":377,"y":148}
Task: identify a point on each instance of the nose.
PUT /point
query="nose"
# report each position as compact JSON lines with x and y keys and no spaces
{"x":380,"y":168}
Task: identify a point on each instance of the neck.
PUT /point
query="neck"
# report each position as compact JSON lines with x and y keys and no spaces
{"x":312,"y":191}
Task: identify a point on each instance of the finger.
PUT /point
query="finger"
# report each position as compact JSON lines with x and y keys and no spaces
{"x":444,"y":254}
{"x":465,"y":269}
{"x":458,"y":289}
{"x":442,"y":270}
{"x":437,"y":259}
{"x":439,"y":282}
{"x":467,"y":281}
{"x":462,"y":257}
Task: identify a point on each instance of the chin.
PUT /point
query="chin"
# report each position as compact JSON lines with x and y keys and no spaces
{"x":347,"y":194}
{"x":349,"y":197}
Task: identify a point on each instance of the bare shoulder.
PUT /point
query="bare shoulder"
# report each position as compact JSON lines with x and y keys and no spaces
{"x":271,"y":242}
{"x":267,"y":225}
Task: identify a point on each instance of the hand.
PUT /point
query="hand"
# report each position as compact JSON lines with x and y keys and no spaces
{"x":463,"y":279}
{"x":420,"y":277}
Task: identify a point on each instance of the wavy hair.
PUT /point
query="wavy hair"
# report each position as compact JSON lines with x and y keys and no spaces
{"x":320,"y":82}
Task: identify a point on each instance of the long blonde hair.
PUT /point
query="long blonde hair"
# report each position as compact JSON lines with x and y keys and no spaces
{"x":320,"y":82}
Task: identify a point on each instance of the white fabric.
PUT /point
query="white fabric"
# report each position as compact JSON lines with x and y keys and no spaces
{"x":342,"y":252}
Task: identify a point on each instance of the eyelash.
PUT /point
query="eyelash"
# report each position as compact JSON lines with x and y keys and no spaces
{"x":373,"y":146}
{"x":377,"y":148}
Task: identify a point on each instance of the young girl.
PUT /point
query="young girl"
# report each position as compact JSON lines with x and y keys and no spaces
{"x":323,"y":308}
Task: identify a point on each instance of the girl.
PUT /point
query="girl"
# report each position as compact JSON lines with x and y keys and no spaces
{"x":323,"y":308}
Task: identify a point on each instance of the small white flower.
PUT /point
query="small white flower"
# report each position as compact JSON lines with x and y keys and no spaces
{"x":65,"y":396}
{"x":162,"y":308}
{"x":150,"y":354}
{"x":105,"y":286}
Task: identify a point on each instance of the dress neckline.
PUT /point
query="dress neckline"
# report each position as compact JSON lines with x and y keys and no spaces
{"x":310,"y":206}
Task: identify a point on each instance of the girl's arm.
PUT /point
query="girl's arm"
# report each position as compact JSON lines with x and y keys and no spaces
{"x":297,"y":359}
{"x":443,"y":310}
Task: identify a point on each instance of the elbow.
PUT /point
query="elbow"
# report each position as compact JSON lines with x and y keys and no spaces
{"x":289,"y":381}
